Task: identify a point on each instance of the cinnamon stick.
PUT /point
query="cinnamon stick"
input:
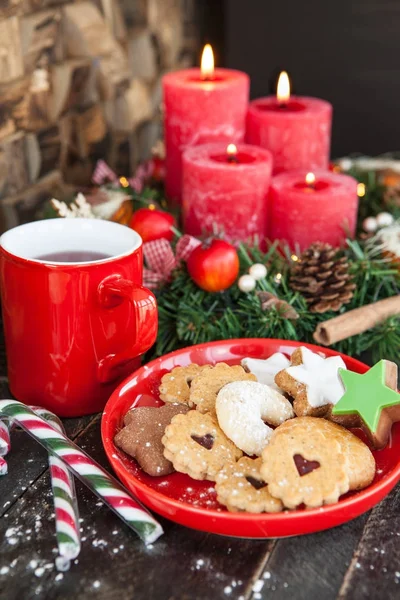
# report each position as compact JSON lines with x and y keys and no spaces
{"x":356,"y":321}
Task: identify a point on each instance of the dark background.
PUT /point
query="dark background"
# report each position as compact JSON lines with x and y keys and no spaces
{"x":346,"y":51}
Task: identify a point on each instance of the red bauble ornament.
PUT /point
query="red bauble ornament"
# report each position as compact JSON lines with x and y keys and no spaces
{"x":152,"y":224}
{"x":214,"y":266}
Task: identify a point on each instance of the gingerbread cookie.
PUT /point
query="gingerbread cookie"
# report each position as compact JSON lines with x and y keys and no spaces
{"x":240,"y":487}
{"x":312,"y":381}
{"x":175,"y":386}
{"x":141,"y":436}
{"x":243,"y":406}
{"x":196,"y":445}
{"x":206,"y":385}
{"x":304,"y":465}
{"x":266,"y":369}
{"x":369,"y":401}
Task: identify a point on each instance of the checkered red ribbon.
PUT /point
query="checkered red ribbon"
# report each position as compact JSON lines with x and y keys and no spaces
{"x":161,"y":261}
{"x":104,"y":174}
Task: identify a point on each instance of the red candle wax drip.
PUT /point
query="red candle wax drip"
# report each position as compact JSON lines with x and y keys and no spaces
{"x":241,"y":158}
{"x":316,"y":186}
{"x":290,"y":106}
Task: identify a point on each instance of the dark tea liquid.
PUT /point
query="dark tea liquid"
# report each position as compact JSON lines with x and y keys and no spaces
{"x":74,"y":256}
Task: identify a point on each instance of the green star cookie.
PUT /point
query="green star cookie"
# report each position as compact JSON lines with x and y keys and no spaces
{"x":370,"y":401}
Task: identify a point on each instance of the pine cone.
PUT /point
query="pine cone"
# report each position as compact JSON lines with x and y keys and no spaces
{"x":322,"y":276}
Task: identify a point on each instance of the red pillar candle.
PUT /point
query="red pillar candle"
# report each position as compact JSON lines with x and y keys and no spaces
{"x":323,"y":210}
{"x":297,"y":130}
{"x":201,"y":106}
{"x":226,"y":190}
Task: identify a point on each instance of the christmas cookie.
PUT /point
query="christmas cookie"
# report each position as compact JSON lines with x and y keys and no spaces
{"x":206,"y":385}
{"x":304,"y":465}
{"x":141,"y":436}
{"x":360,"y":461}
{"x":196,"y":445}
{"x":313,"y":382}
{"x":240,"y":487}
{"x":370,"y":401}
{"x":175,"y":386}
{"x":243,"y":406}
{"x":265,"y":370}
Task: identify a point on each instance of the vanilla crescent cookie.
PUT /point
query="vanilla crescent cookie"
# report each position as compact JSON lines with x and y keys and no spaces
{"x":206,"y":385}
{"x":240,"y":487}
{"x":196,"y":445}
{"x":243,"y":406}
{"x":175,"y":386}
{"x":303,"y":464}
{"x":313,"y":382}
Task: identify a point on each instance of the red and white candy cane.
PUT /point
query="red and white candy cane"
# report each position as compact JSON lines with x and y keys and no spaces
{"x":3,"y":466}
{"x":5,"y":446}
{"x":85,"y":468}
{"x":65,"y":501}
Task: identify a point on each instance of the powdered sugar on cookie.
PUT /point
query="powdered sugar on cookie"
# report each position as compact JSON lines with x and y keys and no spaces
{"x":321,"y":377}
{"x":265,"y":370}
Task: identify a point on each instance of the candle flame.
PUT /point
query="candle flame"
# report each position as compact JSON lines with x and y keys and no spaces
{"x":283,"y":89}
{"x":361,"y":190}
{"x":310,"y":179}
{"x":207,"y":62}
{"x":231,"y":150}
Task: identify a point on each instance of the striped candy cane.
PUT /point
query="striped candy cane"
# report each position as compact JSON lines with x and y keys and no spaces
{"x":3,"y":466}
{"x":5,"y":446}
{"x":65,"y":501}
{"x":86,"y":469}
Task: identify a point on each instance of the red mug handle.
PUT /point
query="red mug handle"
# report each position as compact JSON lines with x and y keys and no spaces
{"x":112,"y":291}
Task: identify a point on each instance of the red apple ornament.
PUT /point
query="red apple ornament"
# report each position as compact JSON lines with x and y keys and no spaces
{"x":152,"y":224}
{"x":214,"y":266}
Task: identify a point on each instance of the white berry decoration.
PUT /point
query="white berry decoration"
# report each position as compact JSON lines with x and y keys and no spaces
{"x":370,"y":224}
{"x":384,"y":219}
{"x":246,"y":283}
{"x":258,"y":271}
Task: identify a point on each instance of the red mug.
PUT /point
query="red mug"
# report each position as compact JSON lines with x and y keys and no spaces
{"x":76,"y":317}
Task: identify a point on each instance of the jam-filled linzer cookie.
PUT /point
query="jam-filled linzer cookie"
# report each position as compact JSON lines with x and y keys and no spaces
{"x":175,"y":386}
{"x":206,"y":385}
{"x":370,"y":401}
{"x":303,"y":464}
{"x":312,"y":381}
{"x":196,"y":445}
{"x":240,"y":487}
{"x":141,"y":436}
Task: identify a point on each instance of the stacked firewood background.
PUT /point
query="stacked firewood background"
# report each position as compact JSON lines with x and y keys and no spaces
{"x":81,"y":80}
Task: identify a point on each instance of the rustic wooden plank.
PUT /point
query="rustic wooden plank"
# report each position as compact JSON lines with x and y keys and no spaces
{"x":375,"y":568}
{"x":310,"y":566}
{"x":114,"y":562}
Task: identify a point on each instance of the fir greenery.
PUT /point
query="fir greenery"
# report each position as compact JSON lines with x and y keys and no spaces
{"x":189,"y":315}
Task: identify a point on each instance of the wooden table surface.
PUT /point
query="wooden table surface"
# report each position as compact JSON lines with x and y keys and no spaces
{"x":359,"y":560}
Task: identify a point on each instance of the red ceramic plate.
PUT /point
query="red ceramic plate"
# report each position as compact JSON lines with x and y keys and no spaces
{"x":193,"y":503}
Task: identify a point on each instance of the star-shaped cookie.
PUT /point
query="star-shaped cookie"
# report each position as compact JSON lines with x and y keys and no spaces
{"x":313,"y":382}
{"x":370,"y":401}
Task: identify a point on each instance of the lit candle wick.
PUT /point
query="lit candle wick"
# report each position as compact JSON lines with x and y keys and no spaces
{"x":283,"y":90}
{"x":207,"y":63}
{"x":231,"y":152}
{"x":310,"y":181}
